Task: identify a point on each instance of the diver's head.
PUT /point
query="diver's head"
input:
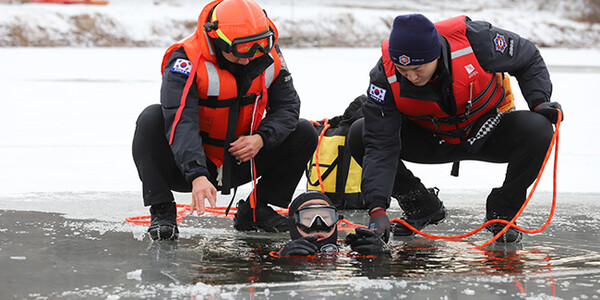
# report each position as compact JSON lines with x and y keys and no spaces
{"x":313,"y":213}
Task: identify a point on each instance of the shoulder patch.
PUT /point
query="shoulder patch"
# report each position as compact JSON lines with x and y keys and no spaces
{"x":511,"y":47}
{"x":500,"y":43}
{"x":377,"y":94}
{"x":182,"y":66}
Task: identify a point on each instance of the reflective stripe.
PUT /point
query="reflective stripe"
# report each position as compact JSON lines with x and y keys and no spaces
{"x":220,"y":33}
{"x":392,"y":79}
{"x":461,"y":52}
{"x":213,"y":79}
{"x":209,"y":43}
{"x":270,"y":74}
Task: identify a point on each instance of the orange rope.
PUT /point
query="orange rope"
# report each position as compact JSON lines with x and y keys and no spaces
{"x":553,"y":142}
{"x":349,"y":224}
{"x":220,"y":210}
{"x":321,"y":135}
{"x":145,"y":220}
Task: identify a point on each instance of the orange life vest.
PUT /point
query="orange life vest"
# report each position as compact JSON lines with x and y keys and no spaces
{"x":476,"y":92}
{"x":217,"y":90}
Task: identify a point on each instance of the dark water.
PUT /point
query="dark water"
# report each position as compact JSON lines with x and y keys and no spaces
{"x":46,"y":256}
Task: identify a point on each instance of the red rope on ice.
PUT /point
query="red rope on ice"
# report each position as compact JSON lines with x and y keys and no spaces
{"x":220,"y":210}
{"x":511,"y":223}
{"x":349,"y":225}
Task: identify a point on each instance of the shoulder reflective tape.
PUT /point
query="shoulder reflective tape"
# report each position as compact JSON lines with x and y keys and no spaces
{"x":392,"y":79}
{"x":209,"y":43}
{"x":213,"y":79}
{"x":461,"y":52}
{"x":270,"y":73}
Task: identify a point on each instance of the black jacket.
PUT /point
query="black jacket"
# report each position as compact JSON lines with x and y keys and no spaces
{"x":520,"y":59}
{"x":281,"y":118}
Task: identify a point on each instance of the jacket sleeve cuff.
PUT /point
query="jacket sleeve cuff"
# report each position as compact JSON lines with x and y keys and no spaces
{"x":194,"y":171}
{"x":378,"y":201}
{"x":535,"y":102}
{"x":266,"y":144}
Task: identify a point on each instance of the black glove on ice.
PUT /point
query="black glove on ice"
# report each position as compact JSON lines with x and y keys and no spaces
{"x":380,"y":223}
{"x":365,"y":242}
{"x":550,"y":111}
{"x":302,"y":247}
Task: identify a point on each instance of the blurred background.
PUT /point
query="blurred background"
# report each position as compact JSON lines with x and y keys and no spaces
{"x":301,"y":23}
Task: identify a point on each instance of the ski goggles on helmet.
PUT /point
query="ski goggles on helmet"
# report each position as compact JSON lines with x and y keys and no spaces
{"x":316,"y":218}
{"x":242,"y":47}
{"x":253,"y":46}
{"x":247,"y":47}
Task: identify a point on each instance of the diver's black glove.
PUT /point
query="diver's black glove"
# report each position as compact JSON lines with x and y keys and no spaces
{"x":380,"y":223}
{"x":365,"y":242}
{"x":550,"y":111}
{"x":303,"y":246}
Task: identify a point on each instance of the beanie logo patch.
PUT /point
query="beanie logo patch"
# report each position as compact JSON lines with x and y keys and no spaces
{"x":404,"y":60}
{"x":500,"y":43}
{"x":377,"y":94}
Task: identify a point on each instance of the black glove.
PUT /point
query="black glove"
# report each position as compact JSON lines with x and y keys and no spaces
{"x":380,"y":223}
{"x":550,"y":111}
{"x":303,"y":246}
{"x":365,"y":242}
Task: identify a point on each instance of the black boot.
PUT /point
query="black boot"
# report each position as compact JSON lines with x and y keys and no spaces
{"x":504,"y":206}
{"x":421,"y":208}
{"x":511,"y":235}
{"x":266,"y":218}
{"x":163,"y":224}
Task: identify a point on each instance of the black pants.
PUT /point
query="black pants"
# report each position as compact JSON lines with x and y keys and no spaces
{"x":521,"y":139}
{"x":280,"y":168}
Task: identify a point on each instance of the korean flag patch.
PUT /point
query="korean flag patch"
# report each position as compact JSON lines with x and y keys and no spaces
{"x":376,"y":93}
{"x":182,"y":66}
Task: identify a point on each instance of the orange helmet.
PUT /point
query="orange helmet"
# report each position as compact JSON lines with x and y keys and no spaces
{"x":240,"y":27}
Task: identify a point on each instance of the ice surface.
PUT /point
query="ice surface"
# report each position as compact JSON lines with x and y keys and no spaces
{"x":67,"y":180}
{"x":70,"y":115}
{"x":69,"y":119}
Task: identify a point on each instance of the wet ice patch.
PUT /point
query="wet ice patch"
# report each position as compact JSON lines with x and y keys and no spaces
{"x":468,"y":292}
{"x":139,"y":233}
{"x":422,"y":287}
{"x":199,"y":290}
{"x":101,"y":227}
{"x":361,"y":283}
{"x":135,"y":275}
